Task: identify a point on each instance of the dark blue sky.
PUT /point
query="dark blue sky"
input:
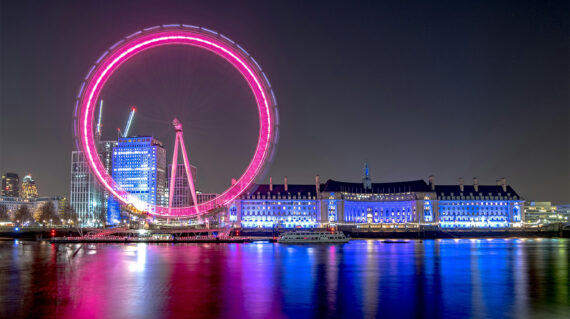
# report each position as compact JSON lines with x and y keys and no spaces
{"x":414,"y":88}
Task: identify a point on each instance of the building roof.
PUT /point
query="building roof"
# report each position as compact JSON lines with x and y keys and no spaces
{"x":294,"y":189}
{"x":380,"y":188}
{"x":442,"y":191}
{"x":469,"y":190}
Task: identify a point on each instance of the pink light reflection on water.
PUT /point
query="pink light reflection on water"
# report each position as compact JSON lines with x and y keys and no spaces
{"x":448,"y":279}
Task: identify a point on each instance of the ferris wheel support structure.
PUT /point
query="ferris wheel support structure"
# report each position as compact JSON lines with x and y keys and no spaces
{"x":179,"y":139}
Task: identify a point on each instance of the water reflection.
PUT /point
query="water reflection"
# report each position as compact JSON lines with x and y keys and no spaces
{"x":498,"y":278}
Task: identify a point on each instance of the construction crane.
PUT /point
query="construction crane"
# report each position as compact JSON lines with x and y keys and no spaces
{"x":99,"y":124}
{"x":129,"y":122}
{"x":125,"y":132}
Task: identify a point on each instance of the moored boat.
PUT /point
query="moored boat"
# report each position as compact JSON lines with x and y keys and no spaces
{"x":300,"y":237}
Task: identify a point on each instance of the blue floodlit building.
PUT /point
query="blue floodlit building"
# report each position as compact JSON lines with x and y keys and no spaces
{"x":269,"y":206}
{"x":139,"y":167}
{"x":478,"y":206}
{"x":397,"y":204}
{"x":376,"y":203}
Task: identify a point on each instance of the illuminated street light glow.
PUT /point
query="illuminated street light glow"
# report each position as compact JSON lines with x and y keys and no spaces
{"x":178,"y":35}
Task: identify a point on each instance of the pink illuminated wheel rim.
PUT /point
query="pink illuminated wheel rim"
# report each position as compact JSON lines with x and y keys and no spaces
{"x":176,"y":34}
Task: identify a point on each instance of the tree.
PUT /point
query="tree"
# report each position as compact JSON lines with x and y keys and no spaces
{"x":71,"y":217}
{"x":46,"y":213}
{"x":22,"y":215}
{"x":4,"y":217}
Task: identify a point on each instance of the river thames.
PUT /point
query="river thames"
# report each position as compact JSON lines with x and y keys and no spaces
{"x":477,"y":278}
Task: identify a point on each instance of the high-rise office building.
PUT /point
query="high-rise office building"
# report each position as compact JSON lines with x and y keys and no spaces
{"x":106,"y":155}
{"x":86,"y":196}
{"x":11,"y":185}
{"x":29,"y":188}
{"x":182,"y":196}
{"x":139,"y":168}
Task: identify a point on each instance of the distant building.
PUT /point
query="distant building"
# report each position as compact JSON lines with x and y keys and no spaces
{"x":139,"y":168}
{"x":11,"y":185}
{"x":182,"y":196}
{"x":564,"y":209}
{"x":29,"y":188}
{"x":12,"y":204}
{"x":545,"y":213}
{"x":204,"y":197}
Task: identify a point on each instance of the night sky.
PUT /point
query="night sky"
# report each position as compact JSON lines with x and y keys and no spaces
{"x":414,"y":88}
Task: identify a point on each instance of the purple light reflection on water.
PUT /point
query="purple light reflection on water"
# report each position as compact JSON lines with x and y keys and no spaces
{"x":443,"y":278}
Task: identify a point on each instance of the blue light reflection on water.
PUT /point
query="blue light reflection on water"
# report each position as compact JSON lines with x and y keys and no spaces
{"x":495,"y":278}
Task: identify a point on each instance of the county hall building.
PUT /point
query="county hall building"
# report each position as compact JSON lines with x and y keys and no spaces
{"x":405,"y":204}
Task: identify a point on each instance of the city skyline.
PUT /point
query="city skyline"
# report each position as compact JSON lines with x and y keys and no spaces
{"x":284,"y":159}
{"x":496,"y":107}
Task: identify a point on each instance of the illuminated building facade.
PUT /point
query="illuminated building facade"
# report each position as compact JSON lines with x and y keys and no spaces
{"x":106,"y":155}
{"x":139,"y":167}
{"x":397,"y":204}
{"x":545,"y":213}
{"x":478,"y":206}
{"x":286,"y":206}
{"x":86,"y":195}
{"x":11,"y":185}
{"x":12,"y":204}
{"x":29,"y":188}
{"x":391,"y":203}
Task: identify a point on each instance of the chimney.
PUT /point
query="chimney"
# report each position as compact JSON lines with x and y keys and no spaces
{"x":318,"y":185}
{"x":270,"y":183}
{"x":461,"y":188}
{"x":286,"y":186}
{"x":475,"y":184}
{"x":504,"y":184}
{"x":431,"y":182}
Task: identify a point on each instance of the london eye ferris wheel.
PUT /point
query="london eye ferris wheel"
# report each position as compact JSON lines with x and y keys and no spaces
{"x":178,"y":35}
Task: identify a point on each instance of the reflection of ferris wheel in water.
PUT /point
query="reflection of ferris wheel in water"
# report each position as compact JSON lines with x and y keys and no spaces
{"x":198,"y":37}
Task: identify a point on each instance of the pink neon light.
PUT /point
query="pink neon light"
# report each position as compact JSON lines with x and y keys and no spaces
{"x":188,"y":172}
{"x":173,"y":169}
{"x":168,"y":36}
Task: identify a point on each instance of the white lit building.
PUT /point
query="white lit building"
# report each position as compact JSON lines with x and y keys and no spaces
{"x":86,"y":195}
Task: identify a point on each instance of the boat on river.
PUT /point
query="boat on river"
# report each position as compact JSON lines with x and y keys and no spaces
{"x":301,"y":237}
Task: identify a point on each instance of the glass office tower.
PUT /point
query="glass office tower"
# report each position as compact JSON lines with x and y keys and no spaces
{"x":138,"y":167}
